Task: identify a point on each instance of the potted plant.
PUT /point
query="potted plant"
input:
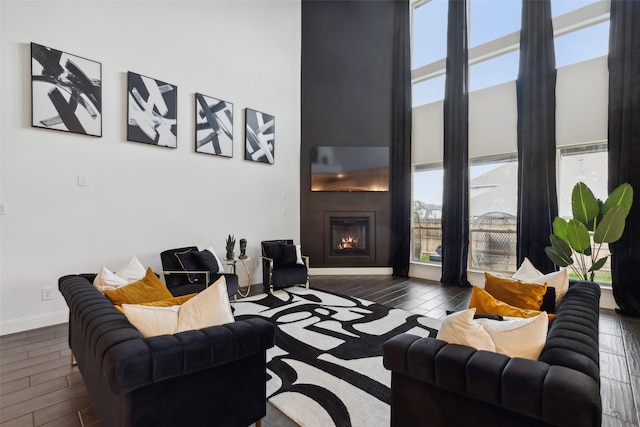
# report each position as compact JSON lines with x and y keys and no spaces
{"x":230,"y":246}
{"x":571,"y":241}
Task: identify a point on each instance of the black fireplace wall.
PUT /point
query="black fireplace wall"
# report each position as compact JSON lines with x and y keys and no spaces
{"x":347,"y":52}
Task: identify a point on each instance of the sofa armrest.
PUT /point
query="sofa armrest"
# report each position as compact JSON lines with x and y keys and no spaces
{"x":134,"y":363}
{"x":554,"y":394}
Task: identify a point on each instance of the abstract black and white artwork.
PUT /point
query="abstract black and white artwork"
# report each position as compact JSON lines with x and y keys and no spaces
{"x":214,"y":126}
{"x":153,"y":111}
{"x":260,"y":136}
{"x":66,"y":91}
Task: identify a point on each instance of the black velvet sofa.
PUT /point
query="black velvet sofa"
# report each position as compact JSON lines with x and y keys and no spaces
{"x":439,"y":384}
{"x":212,"y":376}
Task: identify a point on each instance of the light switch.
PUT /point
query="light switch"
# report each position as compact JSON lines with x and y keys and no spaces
{"x":3,"y":208}
{"x":82,"y":181}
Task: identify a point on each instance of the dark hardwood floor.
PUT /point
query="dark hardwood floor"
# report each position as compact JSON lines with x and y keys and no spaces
{"x":38,"y":387}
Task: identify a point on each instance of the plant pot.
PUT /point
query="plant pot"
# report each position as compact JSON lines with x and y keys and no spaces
{"x":231,"y":255}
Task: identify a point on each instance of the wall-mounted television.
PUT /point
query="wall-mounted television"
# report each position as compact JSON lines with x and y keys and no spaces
{"x":336,"y":168}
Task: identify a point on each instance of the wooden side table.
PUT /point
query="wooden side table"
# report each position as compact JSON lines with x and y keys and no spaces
{"x":232,"y":263}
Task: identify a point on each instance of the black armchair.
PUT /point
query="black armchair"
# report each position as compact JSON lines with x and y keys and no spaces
{"x":282,"y":265}
{"x":188,"y":270}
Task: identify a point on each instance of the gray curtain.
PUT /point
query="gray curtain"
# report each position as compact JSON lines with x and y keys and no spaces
{"x":624,"y":145}
{"x":401,"y":144}
{"x":455,"y":204}
{"x":536,"y":94}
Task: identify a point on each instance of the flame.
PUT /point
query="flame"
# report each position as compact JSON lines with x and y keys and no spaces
{"x":348,"y":242}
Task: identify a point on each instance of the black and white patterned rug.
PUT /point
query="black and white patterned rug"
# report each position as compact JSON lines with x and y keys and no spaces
{"x":326,"y":367}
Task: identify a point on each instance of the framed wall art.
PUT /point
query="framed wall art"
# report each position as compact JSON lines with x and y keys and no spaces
{"x":152,"y":111}
{"x":260,"y":136}
{"x":66,"y":91}
{"x":214,"y":126}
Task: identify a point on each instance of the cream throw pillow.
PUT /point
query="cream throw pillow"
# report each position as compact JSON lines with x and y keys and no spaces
{"x":518,"y":337}
{"x":557,"y":279}
{"x":152,"y":321}
{"x":209,"y":308}
{"x":513,"y":337}
{"x":462,"y":328}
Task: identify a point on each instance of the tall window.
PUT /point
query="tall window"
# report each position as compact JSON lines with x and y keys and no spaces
{"x":581,"y":30}
{"x":427,"y":213}
{"x":493,"y":199}
{"x":588,"y":164}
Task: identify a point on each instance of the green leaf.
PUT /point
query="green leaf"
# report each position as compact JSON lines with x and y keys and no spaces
{"x":621,"y":196}
{"x":561,"y":248}
{"x":555,"y":258}
{"x":560,"y":228}
{"x":578,"y":236}
{"x":598,"y":264}
{"x":611,"y":227}
{"x":584,"y":204}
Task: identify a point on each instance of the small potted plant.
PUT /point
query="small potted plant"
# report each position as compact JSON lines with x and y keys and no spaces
{"x":230,"y":246}
{"x":604,"y":222}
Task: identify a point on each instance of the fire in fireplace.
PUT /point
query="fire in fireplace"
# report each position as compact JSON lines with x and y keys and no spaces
{"x":349,"y":236}
{"x":348,"y":242}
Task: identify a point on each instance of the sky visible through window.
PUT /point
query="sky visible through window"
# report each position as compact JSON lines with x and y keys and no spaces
{"x":491,"y":19}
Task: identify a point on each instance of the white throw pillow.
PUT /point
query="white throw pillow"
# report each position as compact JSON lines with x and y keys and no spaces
{"x":131,"y":272}
{"x":106,"y":279}
{"x":220,"y":265}
{"x":209,"y":308}
{"x":462,"y":328}
{"x":518,"y":337}
{"x":152,"y":321}
{"x":299,"y":259}
{"x":557,"y":279}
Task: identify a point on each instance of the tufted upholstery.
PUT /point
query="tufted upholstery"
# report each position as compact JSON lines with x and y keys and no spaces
{"x":449,"y":384}
{"x":211,"y":376}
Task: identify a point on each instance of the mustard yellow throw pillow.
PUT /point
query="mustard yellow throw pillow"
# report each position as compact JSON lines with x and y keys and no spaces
{"x":164,"y":302}
{"x":515,"y":292}
{"x":484,"y":303}
{"x":147,"y":289}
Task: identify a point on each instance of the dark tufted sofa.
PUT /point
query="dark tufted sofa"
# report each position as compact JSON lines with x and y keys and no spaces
{"x":438,"y":384}
{"x":212,"y":376}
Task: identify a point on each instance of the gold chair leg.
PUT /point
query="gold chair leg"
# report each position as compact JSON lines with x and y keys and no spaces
{"x":259,"y":423}
{"x":74,"y":362}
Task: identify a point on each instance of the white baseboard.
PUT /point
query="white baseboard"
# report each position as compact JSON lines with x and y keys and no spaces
{"x":606,"y":298}
{"x":33,"y":322}
{"x":342,"y":271}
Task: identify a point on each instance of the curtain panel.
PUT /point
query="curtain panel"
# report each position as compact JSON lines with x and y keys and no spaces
{"x":624,"y":145}
{"x":401,"y":143}
{"x":455,"y":204}
{"x":536,"y":103}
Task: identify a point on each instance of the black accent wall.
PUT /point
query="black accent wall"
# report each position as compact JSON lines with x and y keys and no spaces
{"x":347,"y":53}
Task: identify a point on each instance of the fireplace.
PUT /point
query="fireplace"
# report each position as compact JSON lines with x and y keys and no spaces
{"x":349,"y":238}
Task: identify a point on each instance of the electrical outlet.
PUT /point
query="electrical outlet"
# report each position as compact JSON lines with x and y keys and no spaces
{"x":47,"y":294}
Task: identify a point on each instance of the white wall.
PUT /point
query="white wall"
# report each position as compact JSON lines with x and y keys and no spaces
{"x":142,"y":199}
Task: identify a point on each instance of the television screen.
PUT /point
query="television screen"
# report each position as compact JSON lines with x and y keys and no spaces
{"x":349,"y":168}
